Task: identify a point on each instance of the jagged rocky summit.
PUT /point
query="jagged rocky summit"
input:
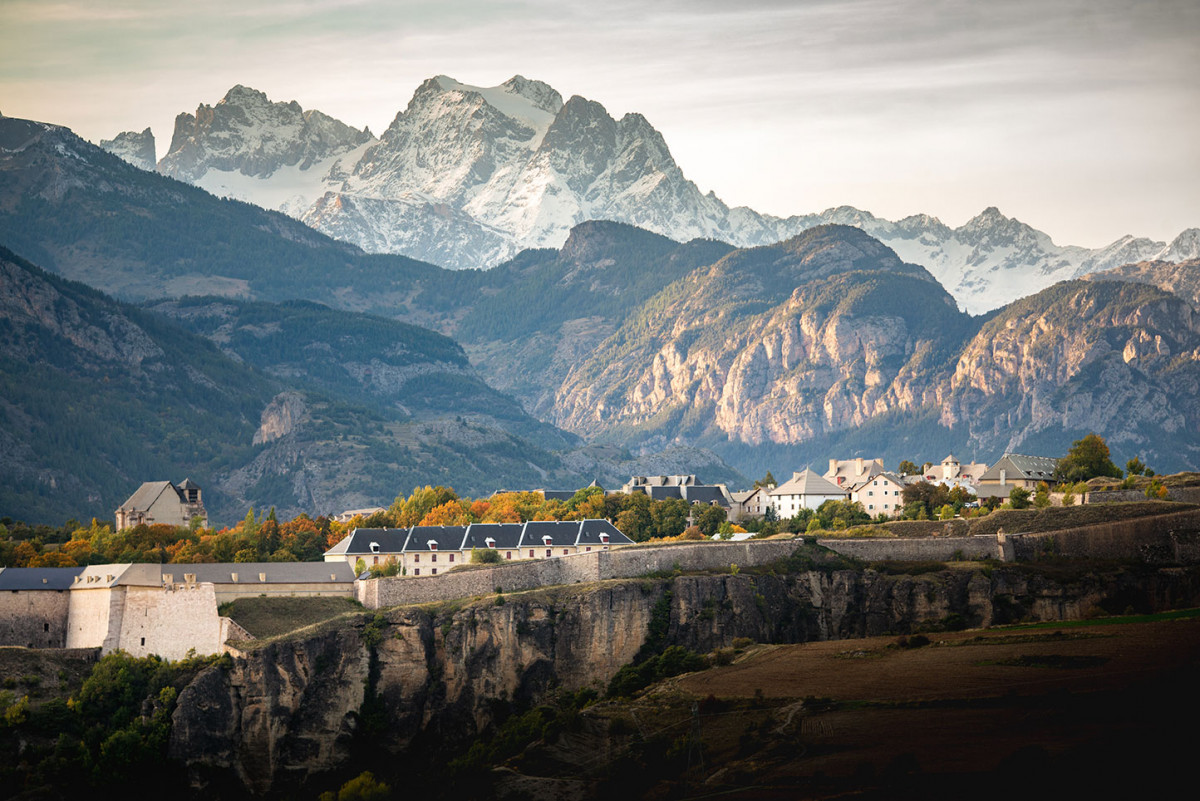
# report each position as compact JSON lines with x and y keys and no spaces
{"x":136,"y":148}
{"x":468,"y":176}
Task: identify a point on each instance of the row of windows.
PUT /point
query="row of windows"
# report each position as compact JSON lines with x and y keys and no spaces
{"x":507,"y":555}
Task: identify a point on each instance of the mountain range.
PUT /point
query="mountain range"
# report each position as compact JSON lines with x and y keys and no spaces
{"x":622,"y":351}
{"x":469,"y":176}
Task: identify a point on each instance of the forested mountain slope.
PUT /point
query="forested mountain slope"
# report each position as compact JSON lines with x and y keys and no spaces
{"x":97,"y":396}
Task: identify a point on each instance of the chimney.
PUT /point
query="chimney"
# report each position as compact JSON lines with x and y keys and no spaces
{"x":858,"y":465}
{"x":832,"y":466}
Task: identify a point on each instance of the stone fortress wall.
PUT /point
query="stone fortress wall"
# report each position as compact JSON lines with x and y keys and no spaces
{"x":34,"y":618}
{"x":1163,"y":539}
{"x":625,"y":562}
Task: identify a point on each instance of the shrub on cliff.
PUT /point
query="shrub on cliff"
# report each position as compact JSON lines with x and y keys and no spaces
{"x":671,"y":662}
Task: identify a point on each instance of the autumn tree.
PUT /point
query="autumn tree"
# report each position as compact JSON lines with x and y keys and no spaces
{"x":908,"y":468}
{"x":411,"y":510}
{"x":709,"y":518}
{"x":450,"y":513}
{"x":1087,"y":458}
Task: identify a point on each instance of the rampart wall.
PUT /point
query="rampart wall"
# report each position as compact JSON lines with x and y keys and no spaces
{"x":34,"y":618}
{"x":170,"y":621}
{"x":94,"y":618}
{"x":1163,"y":539}
{"x":579,"y":568}
{"x":1181,"y":494}
{"x":911,"y":549}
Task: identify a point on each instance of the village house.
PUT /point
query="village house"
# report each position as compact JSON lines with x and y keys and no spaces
{"x":883,"y":493}
{"x":750,"y":503}
{"x":847,"y":473}
{"x":953,"y":473}
{"x":350,"y":514}
{"x":804,"y":490}
{"x":164,"y":503}
{"x":1016,"y":470}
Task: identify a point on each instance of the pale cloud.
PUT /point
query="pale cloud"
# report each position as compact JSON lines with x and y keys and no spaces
{"x":1072,"y":114}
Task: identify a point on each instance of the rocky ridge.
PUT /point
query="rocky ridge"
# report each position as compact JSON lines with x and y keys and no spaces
{"x":808,"y":342}
{"x":246,"y":136}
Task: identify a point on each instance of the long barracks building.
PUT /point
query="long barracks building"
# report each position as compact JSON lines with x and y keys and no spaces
{"x":428,"y":550}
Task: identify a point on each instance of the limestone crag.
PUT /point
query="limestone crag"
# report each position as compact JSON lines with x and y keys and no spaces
{"x":850,"y":340}
{"x":294,"y":709}
{"x":1092,"y":356}
{"x":283,"y":414}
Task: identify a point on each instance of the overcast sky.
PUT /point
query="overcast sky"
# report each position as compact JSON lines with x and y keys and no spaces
{"x":1078,"y":117}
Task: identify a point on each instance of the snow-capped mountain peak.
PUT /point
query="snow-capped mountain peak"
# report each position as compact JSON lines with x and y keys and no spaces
{"x":532,"y":103}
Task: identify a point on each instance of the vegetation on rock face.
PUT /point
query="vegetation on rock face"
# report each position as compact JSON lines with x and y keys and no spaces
{"x":112,"y":733}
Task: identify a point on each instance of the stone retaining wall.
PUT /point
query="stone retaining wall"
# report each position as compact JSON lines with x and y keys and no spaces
{"x":1181,"y":494}
{"x":1163,"y":539}
{"x":580,"y":568}
{"x":910,"y":549}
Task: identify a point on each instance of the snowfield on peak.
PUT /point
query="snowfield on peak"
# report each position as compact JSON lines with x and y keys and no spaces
{"x":467,"y":176}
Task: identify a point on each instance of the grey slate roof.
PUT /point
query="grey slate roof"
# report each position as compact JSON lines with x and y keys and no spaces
{"x":505,"y":535}
{"x":662,"y":493}
{"x":38,"y":578}
{"x":592,"y":529}
{"x":358,"y":541}
{"x":145,"y":496}
{"x":807,"y":482}
{"x":562,"y":533}
{"x":705,"y":493}
{"x":261,"y":572}
{"x":558,"y":495}
{"x":447,"y":538}
{"x":1019,"y":466}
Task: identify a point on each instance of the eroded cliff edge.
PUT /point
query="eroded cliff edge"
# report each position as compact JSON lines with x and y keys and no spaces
{"x":413,"y":684}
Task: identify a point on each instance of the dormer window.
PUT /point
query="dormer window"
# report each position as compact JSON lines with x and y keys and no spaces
{"x":374,"y":547}
{"x":547,"y":539}
{"x":604,"y":539}
{"x":490,"y":542}
{"x":432,"y":545}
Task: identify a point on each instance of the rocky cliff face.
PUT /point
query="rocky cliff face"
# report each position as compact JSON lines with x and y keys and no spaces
{"x":1085,"y":356}
{"x":812,"y":340}
{"x":1182,"y":279}
{"x":413,"y":678}
{"x":774,"y":344}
